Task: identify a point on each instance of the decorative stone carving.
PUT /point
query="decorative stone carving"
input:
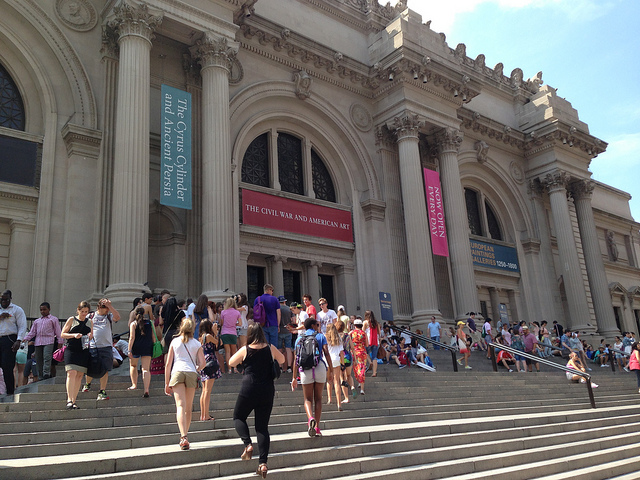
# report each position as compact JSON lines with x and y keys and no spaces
{"x":516,"y":78}
{"x":516,"y":172}
{"x":407,"y":125}
{"x":555,"y":180}
{"x":582,"y":189}
{"x":480,"y":62}
{"x":303,"y":84}
{"x":110,"y":46}
{"x":460,"y":52}
{"x":384,"y":137}
{"x":214,"y":51}
{"x":77,"y":15}
{"x":612,"y":247}
{"x":535,"y":188}
{"x":482,"y":149}
{"x":134,"y":19}
{"x":497,"y":71}
{"x":533,"y":84}
{"x":237,"y":72}
{"x":361,"y":117}
{"x":449,"y":139}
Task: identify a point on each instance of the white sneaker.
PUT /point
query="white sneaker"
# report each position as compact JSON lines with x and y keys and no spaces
{"x":588,"y":369}
{"x":467,"y":367}
{"x":594,"y":385}
{"x":510,"y":370}
{"x":625,"y":369}
{"x":602,"y":366}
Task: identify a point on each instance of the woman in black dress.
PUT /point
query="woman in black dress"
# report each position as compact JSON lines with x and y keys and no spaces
{"x":170,"y":320}
{"x":140,"y":347}
{"x":256,"y":393}
{"x":76,"y":356}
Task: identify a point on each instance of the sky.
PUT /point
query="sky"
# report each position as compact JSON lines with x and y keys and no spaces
{"x":586,"y":49}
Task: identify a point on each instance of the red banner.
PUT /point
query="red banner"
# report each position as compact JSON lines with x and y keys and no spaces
{"x":270,"y":211}
{"x":437,"y":227}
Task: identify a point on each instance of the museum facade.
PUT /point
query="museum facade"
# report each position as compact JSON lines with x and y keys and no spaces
{"x":339,"y":148}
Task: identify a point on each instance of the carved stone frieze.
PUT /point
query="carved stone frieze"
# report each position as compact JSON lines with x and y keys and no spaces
{"x":135,"y":19}
{"x":77,"y":15}
{"x":488,"y":128}
{"x":214,"y":51}
{"x":449,"y":139}
{"x":516,"y":172}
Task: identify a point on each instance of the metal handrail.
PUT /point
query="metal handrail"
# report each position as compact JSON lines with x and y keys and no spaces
{"x":513,"y":351}
{"x":444,"y":346}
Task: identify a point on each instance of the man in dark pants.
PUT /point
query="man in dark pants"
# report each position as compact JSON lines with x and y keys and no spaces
{"x":13,"y":328}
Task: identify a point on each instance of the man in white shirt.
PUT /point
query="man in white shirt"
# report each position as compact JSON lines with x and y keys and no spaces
{"x":13,"y":329}
{"x":325,"y":315}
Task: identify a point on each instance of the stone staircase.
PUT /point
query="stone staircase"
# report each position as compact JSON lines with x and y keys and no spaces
{"x":421,"y":425}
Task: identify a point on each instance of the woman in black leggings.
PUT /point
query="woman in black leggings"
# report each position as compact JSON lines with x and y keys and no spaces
{"x":256,"y":393}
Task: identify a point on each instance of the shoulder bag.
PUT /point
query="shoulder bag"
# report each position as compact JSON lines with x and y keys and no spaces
{"x":157,"y":344}
{"x":275,"y":367}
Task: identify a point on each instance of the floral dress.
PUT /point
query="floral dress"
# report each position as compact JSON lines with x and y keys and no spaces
{"x":209,"y":350}
{"x":358,"y":337}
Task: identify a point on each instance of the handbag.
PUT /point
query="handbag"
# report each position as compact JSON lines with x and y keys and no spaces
{"x":157,"y":344}
{"x":275,"y":367}
{"x":58,"y":355}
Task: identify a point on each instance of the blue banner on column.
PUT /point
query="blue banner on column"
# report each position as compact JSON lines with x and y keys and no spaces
{"x":386,"y":307}
{"x":175,"y":167}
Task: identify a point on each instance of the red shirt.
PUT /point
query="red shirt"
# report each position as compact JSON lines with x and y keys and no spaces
{"x":311,"y":310}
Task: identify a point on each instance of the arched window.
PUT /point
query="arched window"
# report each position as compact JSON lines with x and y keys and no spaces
{"x":483,"y":221}
{"x":322,"y":184}
{"x":292,"y":163}
{"x":11,"y":106}
{"x":255,"y":165}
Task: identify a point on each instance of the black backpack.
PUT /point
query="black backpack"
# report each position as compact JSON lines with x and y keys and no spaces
{"x":308,"y":352}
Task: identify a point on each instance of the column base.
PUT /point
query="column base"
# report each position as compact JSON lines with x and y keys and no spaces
{"x":609,"y":334}
{"x":219,"y":295}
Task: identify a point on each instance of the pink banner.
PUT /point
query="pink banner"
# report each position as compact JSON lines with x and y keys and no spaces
{"x":437,"y":226}
{"x":271,"y":211}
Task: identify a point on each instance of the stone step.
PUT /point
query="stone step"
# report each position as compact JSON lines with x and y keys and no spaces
{"x":138,"y":457}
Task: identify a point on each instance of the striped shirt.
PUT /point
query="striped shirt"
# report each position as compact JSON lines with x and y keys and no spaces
{"x":45,"y":330}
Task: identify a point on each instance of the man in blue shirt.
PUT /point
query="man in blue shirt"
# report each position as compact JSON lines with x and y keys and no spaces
{"x":272,"y":311}
{"x":434,"y":331}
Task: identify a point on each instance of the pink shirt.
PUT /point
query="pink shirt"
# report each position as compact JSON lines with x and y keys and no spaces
{"x":230,"y":318}
{"x":45,"y":330}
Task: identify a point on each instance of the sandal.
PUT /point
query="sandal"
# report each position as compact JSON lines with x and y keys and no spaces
{"x":262,"y":470}
{"x":69,"y":405}
{"x":248,"y":452}
{"x":132,"y":387}
{"x":184,"y":443}
{"x":74,"y":406}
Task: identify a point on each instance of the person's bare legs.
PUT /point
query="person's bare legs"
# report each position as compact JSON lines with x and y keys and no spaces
{"x":205,"y":399}
{"x":184,"y":405}
{"x":146,"y":373}
{"x":133,"y":373}
{"x":337,"y":388}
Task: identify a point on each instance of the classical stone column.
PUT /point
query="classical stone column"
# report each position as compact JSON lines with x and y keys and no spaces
{"x":495,"y":304}
{"x":20,"y":267}
{"x":128,"y":267}
{"x":423,"y":288}
{"x":215,"y":53}
{"x":514,"y":306}
{"x":313,"y":282}
{"x":549,"y":305}
{"x":466,"y":295}
{"x":556,"y":185}
{"x":277,"y":279}
{"x":581,"y":191}
{"x":109,"y":53}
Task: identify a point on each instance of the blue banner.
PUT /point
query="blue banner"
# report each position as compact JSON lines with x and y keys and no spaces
{"x":175,"y":167}
{"x":386,"y":308}
{"x":485,"y":254}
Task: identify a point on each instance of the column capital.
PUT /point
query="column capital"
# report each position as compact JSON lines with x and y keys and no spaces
{"x":406,"y":126}
{"x":449,"y":140}
{"x":279,"y":259}
{"x":555,"y":181}
{"x":135,"y":19}
{"x":110,"y":48}
{"x":215,"y":51}
{"x":582,"y":189}
{"x":535,"y":189}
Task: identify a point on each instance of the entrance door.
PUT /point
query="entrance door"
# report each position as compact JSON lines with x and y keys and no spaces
{"x":255,"y":283}
{"x":326,"y":290}
{"x":292,"y":286}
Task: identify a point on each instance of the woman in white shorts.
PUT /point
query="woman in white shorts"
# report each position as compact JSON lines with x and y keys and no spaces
{"x":336,"y":354}
{"x":312,"y":379}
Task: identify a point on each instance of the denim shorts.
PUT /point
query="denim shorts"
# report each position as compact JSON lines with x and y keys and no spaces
{"x":284,"y":338}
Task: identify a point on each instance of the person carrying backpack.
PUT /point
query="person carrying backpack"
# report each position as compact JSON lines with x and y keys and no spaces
{"x":311,"y":363}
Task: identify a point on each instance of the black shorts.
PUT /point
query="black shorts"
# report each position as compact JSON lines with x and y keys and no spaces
{"x":530,"y":361}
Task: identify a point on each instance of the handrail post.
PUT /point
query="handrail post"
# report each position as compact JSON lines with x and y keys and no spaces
{"x":590,"y":389}
{"x":492,"y":352}
{"x":612,"y":359}
{"x":454,"y":360}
